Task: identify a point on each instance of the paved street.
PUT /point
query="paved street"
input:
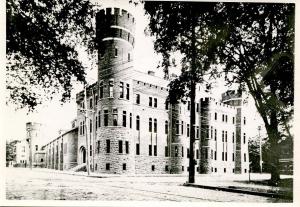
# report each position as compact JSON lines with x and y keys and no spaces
{"x":44,"y":185}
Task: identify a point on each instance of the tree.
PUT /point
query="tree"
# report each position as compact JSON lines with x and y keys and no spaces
{"x":10,"y":150}
{"x":187,"y":27}
{"x":42,"y":41}
{"x":259,"y":54}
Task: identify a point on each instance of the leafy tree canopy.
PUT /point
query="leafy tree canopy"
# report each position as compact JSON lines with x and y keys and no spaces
{"x":42,"y":40}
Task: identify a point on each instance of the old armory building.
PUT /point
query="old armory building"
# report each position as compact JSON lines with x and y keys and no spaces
{"x":132,"y":129}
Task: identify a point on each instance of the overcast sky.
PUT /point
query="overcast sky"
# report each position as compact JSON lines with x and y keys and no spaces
{"x":54,"y":115}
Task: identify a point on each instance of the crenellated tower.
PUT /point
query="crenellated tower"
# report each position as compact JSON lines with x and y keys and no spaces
{"x":115,"y":35}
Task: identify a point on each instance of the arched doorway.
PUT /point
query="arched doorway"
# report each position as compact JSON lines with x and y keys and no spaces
{"x":82,"y":153}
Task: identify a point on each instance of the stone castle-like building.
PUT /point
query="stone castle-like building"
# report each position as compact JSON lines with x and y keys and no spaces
{"x":133,"y":130}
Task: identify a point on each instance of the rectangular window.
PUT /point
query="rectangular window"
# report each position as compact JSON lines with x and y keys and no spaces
{"x":150,"y":150}
{"x":36,"y":147}
{"x":137,"y":99}
{"x":244,"y":138}
{"x":107,"y":166}
{"x":197,"y":107}
{"x":155,"y":102}
{"x":127,"y":147}
{"x":91,"y":103}
{"x":150,"y":124}
{"x":116,"y":52}
{"x":189,"y":105}
{"x":120,"y":146}
{"x":215,"y":134}
{"x":182,"y":152}
{"x":96,"y":100}
{"x":115,"y":117}
{"x":137,"y":149}
{"x":177,"y":126}
{"x":188,"y":153}
{"x":223,"y":118}
{"x":83,"y":127}
{"x":233,"y":120}
{"x":245,"y":157}
{"x":232,"y":137}
{"x":187,"y":130}
{"x":91,"y":150}
{"x":150,"y":101}
{"x":130,"y":120}
{"x":96,"y":123}
{"x":153,"y":167}
{"x":211,"y":154}
{"x":222,"y":135}
{"x":124,"y":166}
{"x":105,"y":117}
{"x":215,"y":155}
{"x":155,"y":150}
{"x":101,"y":89}
{"x":222,"y":156}
{"x":197,"y":154}
{"x":124,"y":118}
{"x":98,"y":146}
{"x":225,"y":156}
{"x":233,"y":157}
{"x":181,"y":127}
{"x":111,"y":88}
{"x":226,"y":118}
{"x":216,"y":116}
{"x":138,"y":123}
{"x":155,"y":126}
{"x":182,"y":168}
{"x":167,"y":168}
{"x":197,"y":132}
{"x":107,"y":146}
{"x":167,"y":105}
{"x":166,"y":127}
{"x":91,"y":126}
{"x":244,"y":120}
{"x":166,"y":151}
{"x":127,"y":91}
{"x":121,"y":90}
{"x":225,"y":136}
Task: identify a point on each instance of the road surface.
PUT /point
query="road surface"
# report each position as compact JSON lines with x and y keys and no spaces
{"x":44,"y":185}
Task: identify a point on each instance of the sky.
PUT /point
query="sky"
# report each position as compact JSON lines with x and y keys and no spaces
{"x":55,"y":116}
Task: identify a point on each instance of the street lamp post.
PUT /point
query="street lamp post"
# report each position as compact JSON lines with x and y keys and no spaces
{"x":30,"y":146}
{"x":87,"y":132}
{"x":260,"y":152}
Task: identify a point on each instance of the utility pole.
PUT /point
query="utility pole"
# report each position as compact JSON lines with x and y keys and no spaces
{"x":87,"y":132}
{"x":260,"y":152}
{"x":30,"y":147}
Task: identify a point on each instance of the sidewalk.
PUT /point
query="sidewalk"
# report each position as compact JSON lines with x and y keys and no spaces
{"x":241,"y":184}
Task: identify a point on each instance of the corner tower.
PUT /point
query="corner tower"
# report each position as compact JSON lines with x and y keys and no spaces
{"x":115,"y":35}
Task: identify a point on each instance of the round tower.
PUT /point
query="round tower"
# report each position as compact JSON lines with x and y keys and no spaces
{"x":115,"y":36}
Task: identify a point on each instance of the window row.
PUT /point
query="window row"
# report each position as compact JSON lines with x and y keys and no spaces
{"x":108,"y":146}
{"x":179,"y":129}
{"x":124,"y":89}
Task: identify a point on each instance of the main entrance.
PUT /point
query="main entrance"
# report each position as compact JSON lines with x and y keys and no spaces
{"x":82,"y":153}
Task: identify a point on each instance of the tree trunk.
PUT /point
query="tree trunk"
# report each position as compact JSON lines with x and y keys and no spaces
{"x":192,"y":98}
{"x":274,"y":137}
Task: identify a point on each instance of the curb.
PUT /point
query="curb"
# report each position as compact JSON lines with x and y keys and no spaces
{"x":234,"y":189}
